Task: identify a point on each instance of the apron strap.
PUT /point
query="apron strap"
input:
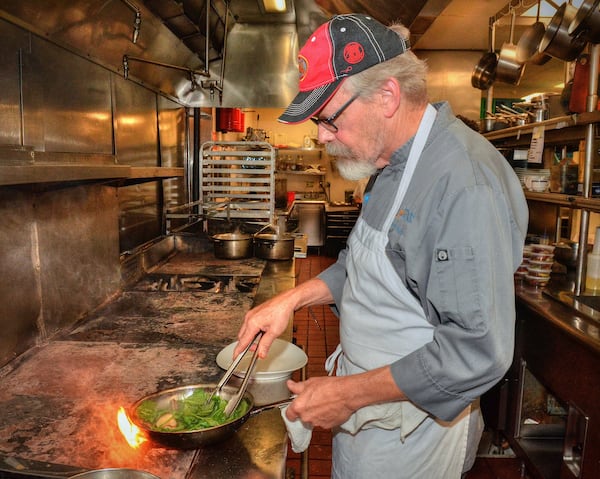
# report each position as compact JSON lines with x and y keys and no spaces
{"x":411,"y":163}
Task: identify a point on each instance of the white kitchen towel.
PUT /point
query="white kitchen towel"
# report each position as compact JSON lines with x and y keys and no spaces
{"x":401,"y":415}
{"x":299,"y":433}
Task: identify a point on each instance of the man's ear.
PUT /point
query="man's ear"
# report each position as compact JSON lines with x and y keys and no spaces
{"x":391,"y":96}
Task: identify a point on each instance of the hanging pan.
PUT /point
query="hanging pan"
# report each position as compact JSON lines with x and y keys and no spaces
{"x":509,"y":69}
{"x":528,"y":44}
{"x":484,"y":72}
{"x":587,"y":22}
{"x":556,"y":41}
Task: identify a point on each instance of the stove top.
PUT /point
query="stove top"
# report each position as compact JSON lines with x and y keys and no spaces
{"x":59,"y":401}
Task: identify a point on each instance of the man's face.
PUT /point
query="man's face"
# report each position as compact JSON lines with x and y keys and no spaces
{"x":357,"y":143}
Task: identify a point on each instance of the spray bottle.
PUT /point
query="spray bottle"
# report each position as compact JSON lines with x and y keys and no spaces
{"x":592,"y":277}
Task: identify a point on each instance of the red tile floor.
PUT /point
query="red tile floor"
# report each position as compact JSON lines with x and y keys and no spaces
{"x":316,"y":331}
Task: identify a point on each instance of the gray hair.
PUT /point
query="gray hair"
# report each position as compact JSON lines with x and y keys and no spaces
{"x":410,"y":71}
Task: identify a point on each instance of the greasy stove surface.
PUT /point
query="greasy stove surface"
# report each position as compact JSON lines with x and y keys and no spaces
{"x":59,"y":401}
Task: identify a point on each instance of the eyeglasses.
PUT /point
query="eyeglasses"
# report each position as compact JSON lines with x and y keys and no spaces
{"x":327,"y":123}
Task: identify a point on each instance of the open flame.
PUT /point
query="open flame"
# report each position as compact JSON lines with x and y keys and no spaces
{"x":130,"y":431}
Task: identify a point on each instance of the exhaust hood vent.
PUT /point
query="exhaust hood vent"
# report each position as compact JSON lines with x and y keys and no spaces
{"x":260,"y":66}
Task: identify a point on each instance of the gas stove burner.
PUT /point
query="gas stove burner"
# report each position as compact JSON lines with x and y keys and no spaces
{"x":198,"y":283}
{"x":247,"y":285}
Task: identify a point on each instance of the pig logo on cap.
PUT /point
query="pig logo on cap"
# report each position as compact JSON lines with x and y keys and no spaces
{"x":354,"y":53}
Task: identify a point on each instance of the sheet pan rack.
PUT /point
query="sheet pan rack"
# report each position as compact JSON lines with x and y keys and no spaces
{"x":237,"y":180}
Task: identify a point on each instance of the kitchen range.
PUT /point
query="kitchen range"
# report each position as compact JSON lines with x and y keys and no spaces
{"x":62,"y":403}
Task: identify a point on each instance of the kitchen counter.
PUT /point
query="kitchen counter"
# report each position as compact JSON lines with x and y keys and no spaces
{"x":59,"y":401}
{"x":584,"y":328}
{"x":552,"y":393}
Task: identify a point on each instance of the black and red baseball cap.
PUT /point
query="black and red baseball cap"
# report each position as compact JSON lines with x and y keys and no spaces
{"x":344,"y":46}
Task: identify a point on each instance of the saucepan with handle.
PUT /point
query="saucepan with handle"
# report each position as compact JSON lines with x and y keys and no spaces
{"x":509,"y":69}
{"x":484,"y":72}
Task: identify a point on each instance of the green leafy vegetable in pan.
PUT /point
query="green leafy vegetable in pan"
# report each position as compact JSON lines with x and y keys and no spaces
{"x":188,"y":414}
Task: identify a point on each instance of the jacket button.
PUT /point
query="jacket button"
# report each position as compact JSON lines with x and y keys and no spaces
{"x":442,"y":255}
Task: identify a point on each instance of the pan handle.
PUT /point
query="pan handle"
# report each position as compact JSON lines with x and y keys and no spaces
{"x":266,"y":407}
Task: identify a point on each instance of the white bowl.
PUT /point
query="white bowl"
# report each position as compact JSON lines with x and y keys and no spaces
{"x":283,"y":359}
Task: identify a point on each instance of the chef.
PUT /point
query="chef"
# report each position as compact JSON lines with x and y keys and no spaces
{"x":424,"y":289}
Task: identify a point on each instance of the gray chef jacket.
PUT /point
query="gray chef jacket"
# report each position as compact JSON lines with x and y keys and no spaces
{"x":455,"y":244}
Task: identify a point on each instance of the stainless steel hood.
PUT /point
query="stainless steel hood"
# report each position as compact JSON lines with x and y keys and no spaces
{"x":250,"y":55}
{"x":260,"y":66}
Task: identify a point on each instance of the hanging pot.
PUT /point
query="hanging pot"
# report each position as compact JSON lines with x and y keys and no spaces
{"x":509,"y":68}
{"x":529,"y":43}
{"x":587,"y":22}
{"x":484,"y":72}
{"x":556,"y":41}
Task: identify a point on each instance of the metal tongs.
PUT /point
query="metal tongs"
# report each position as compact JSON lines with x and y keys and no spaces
{"x":234,"y":401}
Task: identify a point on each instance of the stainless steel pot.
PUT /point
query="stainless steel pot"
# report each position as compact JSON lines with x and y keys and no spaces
{"x":196,"y":438}
{"x":232,"y":245}
{"x":557,"y":41}
{"x":484,"y":72}
{"x":587,"y":22}
{"x":529,"y":43}
{"x":565,"y":252}
{"x":509,"y":68}
{"x":272,"y":246}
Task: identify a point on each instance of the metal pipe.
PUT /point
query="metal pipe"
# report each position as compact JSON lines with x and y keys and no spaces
{"x":196,"y":157}
{"x":592,"y":101}
{"x":206,"y":43}
{"x":166,"y":65}
{"x":137,"y":22}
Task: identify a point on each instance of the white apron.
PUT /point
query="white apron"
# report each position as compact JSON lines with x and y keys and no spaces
{"x":382,"y":322}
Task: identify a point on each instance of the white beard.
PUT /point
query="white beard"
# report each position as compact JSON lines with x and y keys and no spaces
{"x":350,"y":166}
{"x":352,"y":169}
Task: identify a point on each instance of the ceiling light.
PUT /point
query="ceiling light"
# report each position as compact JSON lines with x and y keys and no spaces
{"x":274,"y":6}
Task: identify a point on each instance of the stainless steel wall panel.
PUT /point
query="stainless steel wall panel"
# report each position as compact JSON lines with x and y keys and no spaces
{"x":102,"y":30}
{"x":19,"y":281}
{"x":12,"y":40}
{"x":60,"y":259}
{"x":172,"y":132}
{"x":140,"y":218}
{"x":66,"y":101}
{"x":136,"y":135}
{"x":78,"y":250}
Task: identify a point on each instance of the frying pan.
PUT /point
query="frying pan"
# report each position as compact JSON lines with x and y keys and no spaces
{"x":587,"y":21}
{"x":484,"y":72}
{"x":200,"y":437}
{"x":528,"y":44}
{"x":556,"y":41}
{"x":509,"y":68}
